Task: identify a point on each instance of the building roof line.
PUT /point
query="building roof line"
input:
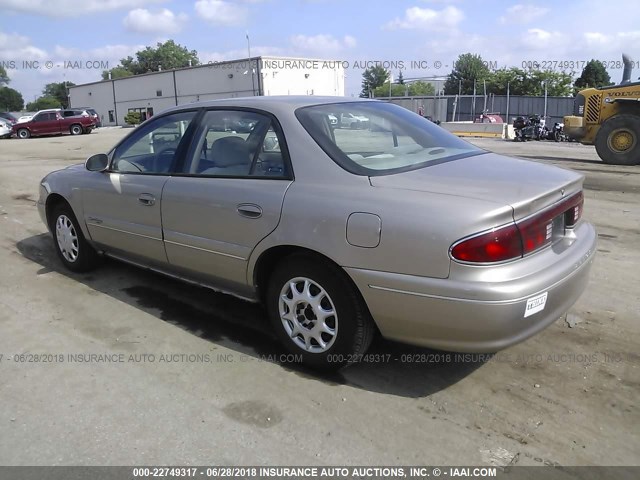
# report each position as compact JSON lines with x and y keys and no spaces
{"x":208,"y":64}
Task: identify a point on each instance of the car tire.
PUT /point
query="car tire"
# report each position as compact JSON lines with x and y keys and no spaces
{"x":75,"y":129}
{"x":614,"y":135}
{"x":23,"y":133}
{"x":72,"y":248}
{"x":303,"y":290}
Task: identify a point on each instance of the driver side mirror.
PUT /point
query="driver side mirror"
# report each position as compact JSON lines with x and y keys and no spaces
{"x":97,"y":163}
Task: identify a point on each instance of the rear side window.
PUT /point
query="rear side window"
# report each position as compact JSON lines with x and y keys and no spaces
{"x":236,"y":144}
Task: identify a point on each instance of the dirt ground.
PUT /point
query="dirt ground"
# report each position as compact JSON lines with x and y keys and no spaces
{"x":194,"y":377}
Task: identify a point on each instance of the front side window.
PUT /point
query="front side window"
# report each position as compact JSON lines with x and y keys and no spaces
{"x":152,"y":149}
{"x":236,"y":144}
{"x":378,"y":138}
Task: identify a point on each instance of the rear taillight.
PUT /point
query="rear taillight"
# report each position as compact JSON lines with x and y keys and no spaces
{"x":536,"y":233}
{"x":519,"y":239}
{"x":497,"y":245}
{"x":572,"y":215}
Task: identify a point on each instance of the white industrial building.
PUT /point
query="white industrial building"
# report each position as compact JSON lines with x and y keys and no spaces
{"x":154,"y":92}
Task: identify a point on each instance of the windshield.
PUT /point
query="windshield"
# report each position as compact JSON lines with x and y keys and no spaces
{"x":378,"y":138}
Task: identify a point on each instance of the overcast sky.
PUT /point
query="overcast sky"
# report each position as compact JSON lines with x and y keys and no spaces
{"x":433,"y":32}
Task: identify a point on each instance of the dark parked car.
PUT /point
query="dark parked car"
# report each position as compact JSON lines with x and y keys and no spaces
{"x":11,"y":119}
{"x":53,"y":123}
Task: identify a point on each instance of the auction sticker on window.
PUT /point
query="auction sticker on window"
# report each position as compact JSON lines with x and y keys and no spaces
{"x":535,"y":304}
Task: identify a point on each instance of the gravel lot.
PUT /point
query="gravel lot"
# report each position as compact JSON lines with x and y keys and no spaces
{"x":568,"y":396}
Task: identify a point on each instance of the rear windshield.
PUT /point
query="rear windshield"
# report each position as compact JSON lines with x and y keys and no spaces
{"x":378,"y":138}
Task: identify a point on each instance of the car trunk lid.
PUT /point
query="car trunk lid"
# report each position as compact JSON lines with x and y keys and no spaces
{"x":526,"y":186}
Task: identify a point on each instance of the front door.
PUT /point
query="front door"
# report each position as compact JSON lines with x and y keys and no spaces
{"x":122,"y":205}
{"x":45,"y":123}
{"x":228,"y":197}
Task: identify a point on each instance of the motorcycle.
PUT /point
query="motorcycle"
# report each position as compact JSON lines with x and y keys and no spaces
{"x":529,"y":128}
{"x":557,"y":133}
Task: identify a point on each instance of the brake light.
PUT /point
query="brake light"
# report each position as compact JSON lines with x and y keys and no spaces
{"x":536,"y":233}
{"x":526,"y":236}
{"x":496,"y":246}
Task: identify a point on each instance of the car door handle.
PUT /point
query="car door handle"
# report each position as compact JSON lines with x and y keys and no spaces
{"x":250,"y":210}
{"x":147,"y":199}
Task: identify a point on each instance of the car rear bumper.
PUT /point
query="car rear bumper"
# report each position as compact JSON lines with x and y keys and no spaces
{"x":485,"y":316}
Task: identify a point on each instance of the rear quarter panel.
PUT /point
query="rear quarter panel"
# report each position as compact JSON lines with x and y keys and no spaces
{"x":417,"y":228}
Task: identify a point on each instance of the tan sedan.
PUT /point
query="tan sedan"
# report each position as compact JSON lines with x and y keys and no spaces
{"x":397,"y":227}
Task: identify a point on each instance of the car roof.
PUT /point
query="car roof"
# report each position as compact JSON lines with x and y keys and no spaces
{"x":271,"y":103}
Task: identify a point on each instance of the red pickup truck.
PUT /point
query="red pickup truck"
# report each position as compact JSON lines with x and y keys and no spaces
{"x":53,"y":123}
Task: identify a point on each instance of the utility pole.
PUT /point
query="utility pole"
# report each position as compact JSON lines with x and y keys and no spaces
{"x":545,"y":99}
{"x":484,"y":109}
{"x":459,"y":96}
{"x":473,"y":114}
{"x":508,"y":85}
{"x":253,"y":84}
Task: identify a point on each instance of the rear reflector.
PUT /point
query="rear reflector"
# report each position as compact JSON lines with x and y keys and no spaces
{"x":521,"y":238}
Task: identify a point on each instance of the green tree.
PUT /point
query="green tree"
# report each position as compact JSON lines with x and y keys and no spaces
{"x":43,"y":103}
{"x":400,"y":78}
{"x":513,"y":79}
{"x":165,"y":56}
{"x":421,"y":88}
{"x":373,"y":78}
{"x":58,"y":91}
{"x":4,"y":78}
{"x":529,"y":82}
{"x":116,"y":72}
{"x":132,"y":118}
{"x":413,"y":89}
{"x":396,"y":90}
{"x":559,"y":84}
{"x":593,"y":75}
{"x":469,"y":68}
{"x":10,"y":100}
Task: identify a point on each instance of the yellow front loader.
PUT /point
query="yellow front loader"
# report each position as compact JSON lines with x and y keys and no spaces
{"x":609,"y":118}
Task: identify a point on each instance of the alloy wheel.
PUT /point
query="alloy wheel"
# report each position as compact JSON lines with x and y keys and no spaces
{"x":308,"y":315}
{"x":67,"y":238}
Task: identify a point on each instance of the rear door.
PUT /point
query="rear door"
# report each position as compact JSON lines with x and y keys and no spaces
{"x":122,"y":205}
{"x":58,"y":123}
{"x":227,"y":197}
